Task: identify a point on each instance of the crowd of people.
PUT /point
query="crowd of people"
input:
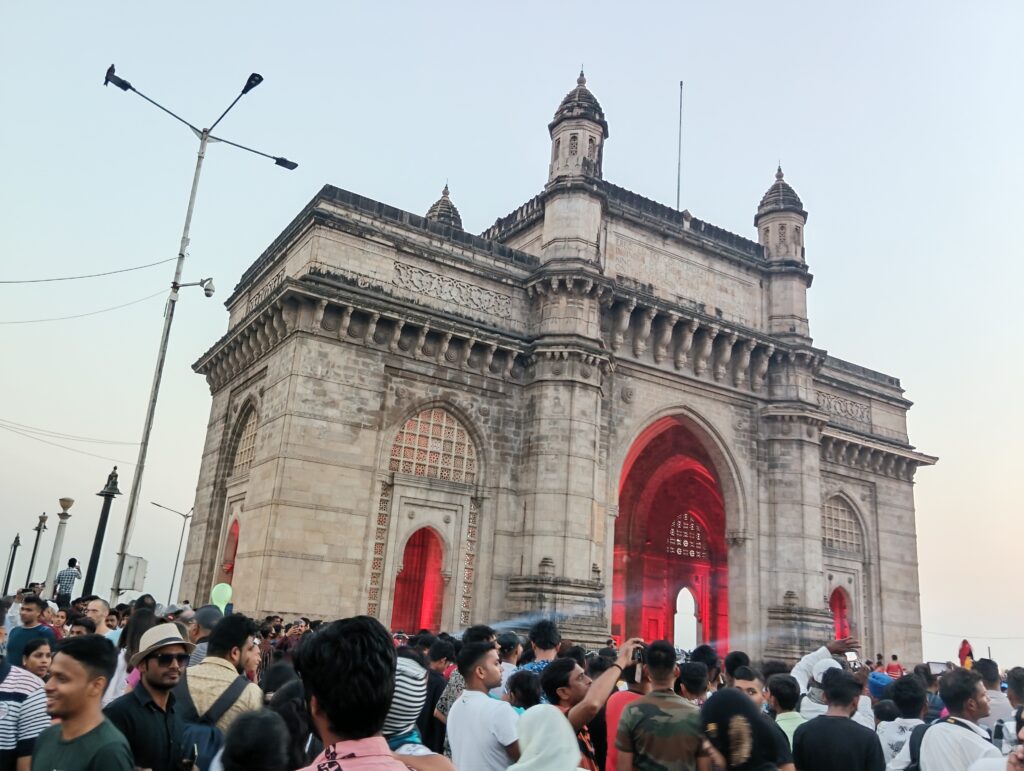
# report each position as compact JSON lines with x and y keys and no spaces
{"x":86,"y":686}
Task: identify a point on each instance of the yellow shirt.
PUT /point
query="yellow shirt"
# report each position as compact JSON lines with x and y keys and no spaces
{"x":210,"y":679}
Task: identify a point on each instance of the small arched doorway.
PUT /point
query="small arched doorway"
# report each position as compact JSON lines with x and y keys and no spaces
{"x":419,"y":587}
{"x":670,"y":535}
{"x":687,"y":632}
{"x":839,"y":604}
{"x":227,"y":565}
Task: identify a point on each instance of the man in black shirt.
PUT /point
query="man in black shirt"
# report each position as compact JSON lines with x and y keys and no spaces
{"x":833,"y":742}
{"x":147,"y":716}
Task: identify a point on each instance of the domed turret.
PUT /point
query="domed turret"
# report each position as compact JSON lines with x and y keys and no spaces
{"x":780,"y":197}
{"x":444,"y":211}
{"x":578,"y":131}
{"x":780,"y":221}
{"x":580,"y":103}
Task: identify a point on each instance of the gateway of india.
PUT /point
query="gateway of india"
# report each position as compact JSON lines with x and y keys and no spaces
{"x":597,"y":403}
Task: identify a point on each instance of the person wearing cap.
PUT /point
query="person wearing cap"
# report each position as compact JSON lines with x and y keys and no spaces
{"x":809,"y":672}
{"x":146,"y":715}
{"x":199,"y":631}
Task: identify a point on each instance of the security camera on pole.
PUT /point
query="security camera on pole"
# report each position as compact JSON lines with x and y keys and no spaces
{"x":205,"y":137}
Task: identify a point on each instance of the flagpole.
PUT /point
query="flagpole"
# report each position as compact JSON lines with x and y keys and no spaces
{"x":679,"y":161}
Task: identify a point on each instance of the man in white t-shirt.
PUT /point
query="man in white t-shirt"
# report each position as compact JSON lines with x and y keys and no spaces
{"x":481,"y":730}
{"x":956,"y":742}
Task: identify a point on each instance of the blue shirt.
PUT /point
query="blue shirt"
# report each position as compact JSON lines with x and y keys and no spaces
{"x":21,"y":636}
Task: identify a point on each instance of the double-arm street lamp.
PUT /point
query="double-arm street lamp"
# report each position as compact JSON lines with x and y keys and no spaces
{"x":205,"y":137}
{"x":185,"y":517}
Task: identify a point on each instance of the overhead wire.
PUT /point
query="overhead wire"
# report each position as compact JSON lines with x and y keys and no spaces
{"x":83,"y":315}
{"x":63,"y":447}
{"x":59,"y":434}
{"x":963,"y":636}
{"x":86,"y":275}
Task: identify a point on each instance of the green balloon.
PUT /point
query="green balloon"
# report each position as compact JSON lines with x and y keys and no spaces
{"x":220,"y":595}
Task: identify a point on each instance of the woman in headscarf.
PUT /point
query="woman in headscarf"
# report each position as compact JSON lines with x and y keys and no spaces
{"x":740,"y":737}
{"x":546,"y":741}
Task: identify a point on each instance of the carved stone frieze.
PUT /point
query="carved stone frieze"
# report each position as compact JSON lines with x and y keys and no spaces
{"x":451,"y":290}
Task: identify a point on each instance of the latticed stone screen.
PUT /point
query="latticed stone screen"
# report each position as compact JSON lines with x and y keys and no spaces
{"x":686,"y":538}
{"x":840,"y":529}
{"x":434,"y":444}
{"x":246,"y":445}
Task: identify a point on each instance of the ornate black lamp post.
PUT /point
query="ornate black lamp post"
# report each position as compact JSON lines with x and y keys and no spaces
{"x":10,"y":565}
{"x":107,"y":494}
{"x":35,"y":547}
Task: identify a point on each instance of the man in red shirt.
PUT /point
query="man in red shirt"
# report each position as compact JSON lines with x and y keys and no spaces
{"x":616,"y":703}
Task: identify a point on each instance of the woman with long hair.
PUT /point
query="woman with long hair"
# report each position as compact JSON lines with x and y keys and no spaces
{"x":127,"y":677}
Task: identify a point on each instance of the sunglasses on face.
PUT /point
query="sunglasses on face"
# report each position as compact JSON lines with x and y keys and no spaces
{"x":165,"y":659}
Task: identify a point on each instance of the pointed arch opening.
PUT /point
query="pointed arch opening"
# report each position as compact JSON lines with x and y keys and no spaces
{"x":839,"y":604}
{"x":670,"y":537}
{"x":687,"y":633}
{"x":245,"y":447}
{"x":227,"y":563}
{"x":419,"y":587}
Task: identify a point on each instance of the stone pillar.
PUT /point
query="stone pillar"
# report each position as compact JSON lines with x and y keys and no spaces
{"x":58,"y":544}
{"x":564,"y":519}
{"x":798,"y":618}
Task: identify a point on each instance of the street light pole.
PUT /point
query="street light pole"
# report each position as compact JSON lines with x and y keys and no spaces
{"x":107,"y":494}
{"x":35,"y":547}
{"x":205,"y":137}
{"x":58,"y":543}
{"x":10,"y":565}
{"x":184,"y":521}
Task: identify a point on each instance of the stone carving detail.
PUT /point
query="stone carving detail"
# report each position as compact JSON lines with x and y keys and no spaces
{"x":469,"y":568}
{"x":452,"y":290}
{"x":845,"y":411}
{"x":379,"y":542}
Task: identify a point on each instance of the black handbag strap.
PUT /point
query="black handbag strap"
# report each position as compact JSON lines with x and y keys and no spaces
{"x":217,"y":709}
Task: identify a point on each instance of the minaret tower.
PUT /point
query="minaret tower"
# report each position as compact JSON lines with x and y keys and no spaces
{"x":780,"y":224}
{"x":578,"y":131}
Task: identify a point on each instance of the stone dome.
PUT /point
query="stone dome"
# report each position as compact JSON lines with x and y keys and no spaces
{"x":580,"y":103}
{"x":780,"y":197}
{"x":444,"y":211}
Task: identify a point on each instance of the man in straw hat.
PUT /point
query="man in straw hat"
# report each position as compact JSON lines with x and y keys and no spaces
{"x":147,"y":716}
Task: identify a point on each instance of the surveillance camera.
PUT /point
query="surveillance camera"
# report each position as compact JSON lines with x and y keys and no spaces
{"x":208,"y":287}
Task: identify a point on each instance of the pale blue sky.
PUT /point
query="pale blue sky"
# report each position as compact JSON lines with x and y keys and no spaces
{"x":898,"y":124}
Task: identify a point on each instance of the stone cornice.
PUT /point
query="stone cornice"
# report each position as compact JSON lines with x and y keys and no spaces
{"x":304,"y":306}
{"x":865,"y":454}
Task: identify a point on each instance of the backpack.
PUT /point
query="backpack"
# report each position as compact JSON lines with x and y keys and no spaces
{"x":917,"y":737}
{"x":200,"y":731}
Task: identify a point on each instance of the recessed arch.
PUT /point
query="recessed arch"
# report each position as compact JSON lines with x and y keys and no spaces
{"x":842,"y":526}
{"x":419,"y":585}
{"x":228,"y":554}
{"x":840,"y":604}
{"x":670,"y":534}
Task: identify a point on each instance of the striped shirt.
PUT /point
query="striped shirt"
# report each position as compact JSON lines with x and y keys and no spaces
{"x":22,"y":713}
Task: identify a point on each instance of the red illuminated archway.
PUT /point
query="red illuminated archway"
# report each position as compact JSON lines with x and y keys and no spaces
{"x":419,"y":586}
{"x":670,"y":535}
{"x":227,"y":565}
{"x":839,"y":604}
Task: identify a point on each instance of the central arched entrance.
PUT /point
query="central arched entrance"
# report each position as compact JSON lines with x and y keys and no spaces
{"x":669,"y":536}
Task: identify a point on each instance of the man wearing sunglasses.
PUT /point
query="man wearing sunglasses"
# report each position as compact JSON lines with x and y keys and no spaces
{"x":147,"y":716}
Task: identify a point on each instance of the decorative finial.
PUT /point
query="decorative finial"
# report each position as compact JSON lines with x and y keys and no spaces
{"x":778,"y":172}
{"x":444,"y":193}
{"x":582,"y":79}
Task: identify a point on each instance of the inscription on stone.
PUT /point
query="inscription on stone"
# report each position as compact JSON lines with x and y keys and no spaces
{"x":847,"y":411}
{"x":452,"y":290}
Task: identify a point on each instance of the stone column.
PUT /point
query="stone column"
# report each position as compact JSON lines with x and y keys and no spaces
{"x":58,"y":542}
